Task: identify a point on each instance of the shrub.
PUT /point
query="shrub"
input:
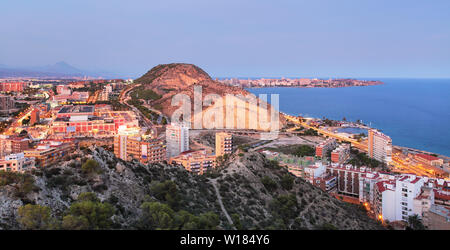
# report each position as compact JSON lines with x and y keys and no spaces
{"x":268,"y":183}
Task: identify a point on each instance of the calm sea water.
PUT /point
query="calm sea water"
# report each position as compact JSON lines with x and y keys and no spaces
{"x":413,"y":112}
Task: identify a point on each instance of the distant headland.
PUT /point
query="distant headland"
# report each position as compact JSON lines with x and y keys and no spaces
{"x":298,"y":82}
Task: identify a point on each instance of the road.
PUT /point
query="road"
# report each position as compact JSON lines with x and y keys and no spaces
{"x":353,"y":142}
{"x":18,"y":122}
{"x":124,"y":97}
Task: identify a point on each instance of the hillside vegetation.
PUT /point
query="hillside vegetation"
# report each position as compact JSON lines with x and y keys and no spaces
{"x":100,"y":191}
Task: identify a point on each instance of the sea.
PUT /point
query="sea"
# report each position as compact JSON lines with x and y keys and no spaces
{"x":415,"y":113}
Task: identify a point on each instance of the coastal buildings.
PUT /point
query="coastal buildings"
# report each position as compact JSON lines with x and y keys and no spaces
{"x":379,"y":146}
{"x":145,"y":150}
{"x":177,"y":139}
{"x":197,"y":162}
{"x":325,"y":146}
{"x":341,"y":153}
{"x":224,"y":143}
{"x":437,"y":218}
{"x":298,"y":82}
{"x":16,"y":163}
{"x":429,"y":160}
{"x":395,"y":199}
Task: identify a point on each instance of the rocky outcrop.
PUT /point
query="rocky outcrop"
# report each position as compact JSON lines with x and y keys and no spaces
{"x":168,"y":80}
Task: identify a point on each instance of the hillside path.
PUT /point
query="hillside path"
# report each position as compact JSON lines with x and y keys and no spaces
{"x":219,"y":198}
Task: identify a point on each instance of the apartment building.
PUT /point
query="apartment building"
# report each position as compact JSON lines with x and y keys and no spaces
{"x":379,"y":146}
{"x":145,"y":150}
{"x":16,"y":163}
{"x":341,"y":153}
{"x":398,"y":199}
{"x":13,"y":86}
{"x":429,"y":160}
{"x":13,"y":144}
{"x":88,"y":121}
{"x":6,"y":103}
{"x":177,"y":139}
{"x":49,"y":152}
{"x":224,"y":143}
{"x":197,"y":162}
{"x":325,"y":147}
{"x":348,"y":178}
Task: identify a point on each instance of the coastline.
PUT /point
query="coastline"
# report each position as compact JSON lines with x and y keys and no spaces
{"x":364,"y":126}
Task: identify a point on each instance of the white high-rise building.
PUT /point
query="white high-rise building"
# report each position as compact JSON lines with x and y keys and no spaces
{"x":395,"y":200}
{"x":177,"y":139}
{"x":379,"y":146}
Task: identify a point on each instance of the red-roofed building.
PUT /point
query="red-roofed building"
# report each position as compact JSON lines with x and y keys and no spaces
{"x":429,"y":160}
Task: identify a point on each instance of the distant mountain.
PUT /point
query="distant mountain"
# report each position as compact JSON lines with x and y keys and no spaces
{"x":59,"y":69}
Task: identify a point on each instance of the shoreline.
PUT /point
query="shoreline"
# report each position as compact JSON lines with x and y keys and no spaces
{"x":364,"y":126}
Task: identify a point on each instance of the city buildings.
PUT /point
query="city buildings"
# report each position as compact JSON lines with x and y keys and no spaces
{"x":86,"y":121}
{"x":437,"y":218}
{"x":6,"y":103}
{"x":145,"y":150}
{"x":224,"y":143}
{"x":13,"y":144}
{"x":73,"y":97}
{"x":34,"y":117}
{"x":341,"y":153}
{"x":379,"y":146}
{"x":197,"y":162}
{"x":16,"y":163}
{"x":325,"y":146}
{"x":429,"y":160}
{"x":63,"y":90}
{"x":395,"y":199}
{"x":13,"y":86}
{"x":177,"y":139}
{"x":49,"y":152}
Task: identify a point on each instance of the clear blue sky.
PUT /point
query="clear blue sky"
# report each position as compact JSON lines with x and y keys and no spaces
{"x":333,"y":38}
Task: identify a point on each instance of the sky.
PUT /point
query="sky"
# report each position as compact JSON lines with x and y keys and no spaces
{"x":232,"y":38}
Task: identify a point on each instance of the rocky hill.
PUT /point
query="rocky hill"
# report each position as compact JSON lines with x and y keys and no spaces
{"x":166,"y":80}
{"x":249,"y":192}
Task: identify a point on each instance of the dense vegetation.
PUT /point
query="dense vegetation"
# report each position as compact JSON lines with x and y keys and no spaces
{"x":361,"y":159}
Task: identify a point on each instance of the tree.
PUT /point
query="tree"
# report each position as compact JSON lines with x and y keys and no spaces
{"x":156,"y":215}
{"x":71,"y":222}
{"x":34,"y":217}
{"x":166,"y":191}
{"x":236,"y":221}
{"x":268,"y":183}
{"x":284,"y":207}
{"x":91,"y":166}
{"x":88,"y":213}
{"x":414,"y":223}
{"x":287,"y":181}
